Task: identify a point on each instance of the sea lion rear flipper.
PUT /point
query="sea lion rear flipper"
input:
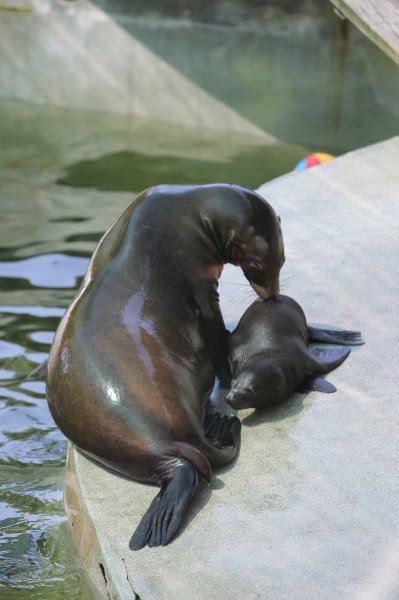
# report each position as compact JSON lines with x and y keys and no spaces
{"x":165,"y":514}
{"x":342,"y":337}
{"x":317,"y":384}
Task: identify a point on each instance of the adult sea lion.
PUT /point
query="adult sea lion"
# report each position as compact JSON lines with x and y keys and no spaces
{"x":134,"y":358}
{"x":270,"y":358}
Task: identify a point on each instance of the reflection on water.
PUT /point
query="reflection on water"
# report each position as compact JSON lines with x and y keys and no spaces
{"x":249,"y":167}
{"x":47,"y":233}
{"x":35,"y":546}
{"x":48,"y":270}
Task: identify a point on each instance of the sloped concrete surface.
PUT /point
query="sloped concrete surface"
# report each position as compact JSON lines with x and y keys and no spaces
{"x":310,"y":508}
{"x":72,"y":54}
{"x":378,"y":20}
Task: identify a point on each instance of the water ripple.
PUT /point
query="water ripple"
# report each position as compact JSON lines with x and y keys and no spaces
{"x":47,"y":270}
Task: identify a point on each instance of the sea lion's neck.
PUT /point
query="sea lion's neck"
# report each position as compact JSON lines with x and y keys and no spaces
{"x":224,"y":224}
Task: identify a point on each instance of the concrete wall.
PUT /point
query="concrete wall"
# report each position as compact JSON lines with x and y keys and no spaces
{"x":294,"y":68}
{"x":73,"y":55}
{"x":305,"y":77}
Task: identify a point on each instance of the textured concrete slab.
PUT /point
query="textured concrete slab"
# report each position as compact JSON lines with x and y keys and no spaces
{"x":309,"y":510}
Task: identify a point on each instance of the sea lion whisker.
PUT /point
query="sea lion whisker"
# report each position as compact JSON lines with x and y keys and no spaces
{"x":288,"y":279}
{"x":236,"y":283}
{"x":242,"y":295}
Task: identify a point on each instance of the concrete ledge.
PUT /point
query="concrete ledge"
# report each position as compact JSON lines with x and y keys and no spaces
{"x":379,"y":20}
{"x":309,"y":510}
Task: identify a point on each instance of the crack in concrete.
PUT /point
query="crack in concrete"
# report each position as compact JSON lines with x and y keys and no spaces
{"x":105,"y":579}
{"x":136,"y":596}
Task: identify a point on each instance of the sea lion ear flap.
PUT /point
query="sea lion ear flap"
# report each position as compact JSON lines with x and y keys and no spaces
{"x":279,"y":218}
{"x":234,"y":251}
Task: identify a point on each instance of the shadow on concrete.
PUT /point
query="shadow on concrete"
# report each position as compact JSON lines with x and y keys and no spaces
{"x":278,"y":412}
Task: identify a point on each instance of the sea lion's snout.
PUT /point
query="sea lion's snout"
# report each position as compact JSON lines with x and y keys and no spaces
{"x":248,"y":388}
{"x":275,"y":290}
{"x":236,"y":401}
{"x":238,"y":397}
{"x":267,"y":293}
{"x":229,"y":399}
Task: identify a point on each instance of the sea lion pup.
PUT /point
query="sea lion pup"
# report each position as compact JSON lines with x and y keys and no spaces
{"x":134,"y":358}
{"x":270,"y":358}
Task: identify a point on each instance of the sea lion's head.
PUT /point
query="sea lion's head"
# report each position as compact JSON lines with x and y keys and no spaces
{"x":258,"y":248}
{"x":254,"y":386}
{"x":261,"y":260}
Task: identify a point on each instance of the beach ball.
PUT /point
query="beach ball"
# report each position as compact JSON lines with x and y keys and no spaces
{"x":317,"y":158}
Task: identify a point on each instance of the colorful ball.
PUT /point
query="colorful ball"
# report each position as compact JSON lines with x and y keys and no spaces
{"x":317,"y":158}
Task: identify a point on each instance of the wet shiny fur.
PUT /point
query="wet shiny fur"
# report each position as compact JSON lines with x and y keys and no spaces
{"x":270,"y":356}
{"x":135,"y":356}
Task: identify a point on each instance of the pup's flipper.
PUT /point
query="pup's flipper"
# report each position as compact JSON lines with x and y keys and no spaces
{"x":342,"y":337}
{"x":324,"y":360}
{"x":327,"y":359}
{"x":317,"y":384}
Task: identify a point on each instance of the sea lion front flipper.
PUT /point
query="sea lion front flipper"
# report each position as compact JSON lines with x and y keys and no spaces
{"x":327,"y":359}
{"x":165,"y":514}
{"x":324,"y":360}
{"x":315,"y":383}
{"x":214,"y":330}
{"x":343,"y":337}
{"x":222,"y":431}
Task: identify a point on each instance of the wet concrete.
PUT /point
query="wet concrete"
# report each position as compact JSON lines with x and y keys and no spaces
{"x":309,"y":510}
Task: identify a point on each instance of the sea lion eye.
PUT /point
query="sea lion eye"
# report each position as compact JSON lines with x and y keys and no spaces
{"x":253,"y":265}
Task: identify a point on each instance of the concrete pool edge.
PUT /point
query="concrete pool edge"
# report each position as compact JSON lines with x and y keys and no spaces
{"x":83,"y":528}
{"x":293,"y":496}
